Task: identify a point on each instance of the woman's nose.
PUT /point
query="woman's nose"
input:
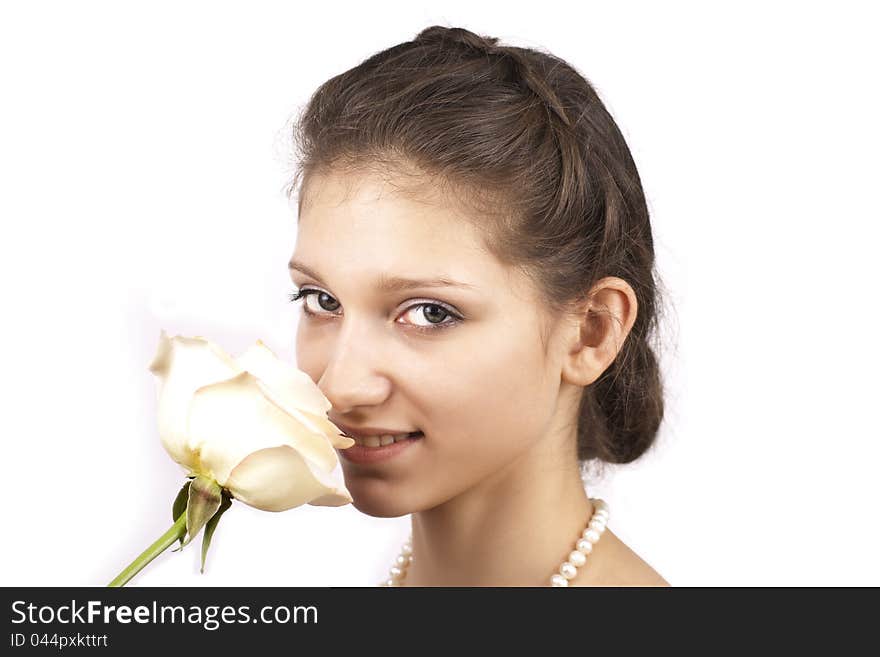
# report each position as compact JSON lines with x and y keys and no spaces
{"x":352,"y":377}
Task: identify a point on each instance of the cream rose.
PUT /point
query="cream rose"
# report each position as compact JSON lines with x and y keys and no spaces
{"x":253,"y":424}
{"x":250,"y":428}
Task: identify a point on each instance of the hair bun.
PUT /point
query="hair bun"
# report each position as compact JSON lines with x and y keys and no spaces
{"x":517,"y":59}
{"x":440,"y":34}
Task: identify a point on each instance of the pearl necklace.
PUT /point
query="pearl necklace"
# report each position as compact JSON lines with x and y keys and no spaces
{"x":567,"y":571}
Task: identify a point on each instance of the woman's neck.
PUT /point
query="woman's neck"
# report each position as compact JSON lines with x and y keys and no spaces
{"x":514,"y":529}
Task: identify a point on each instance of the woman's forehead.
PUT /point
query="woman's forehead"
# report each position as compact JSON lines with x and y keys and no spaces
{"x":367,"y":227}
{"x":333,"y":188}
{"x":367,"y":216}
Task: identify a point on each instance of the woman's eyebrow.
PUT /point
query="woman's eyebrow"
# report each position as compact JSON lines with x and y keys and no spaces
{"x":391,"y":283}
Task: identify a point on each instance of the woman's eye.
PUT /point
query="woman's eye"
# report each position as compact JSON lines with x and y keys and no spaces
{"x":306,"y":294}
{"x":432,"y":314}
{"x":324,"y":301}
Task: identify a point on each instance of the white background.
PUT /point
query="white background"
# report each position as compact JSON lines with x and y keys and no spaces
{"x":142,"y":160}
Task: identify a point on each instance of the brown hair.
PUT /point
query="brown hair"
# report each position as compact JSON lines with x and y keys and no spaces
{"x":523,"y":139}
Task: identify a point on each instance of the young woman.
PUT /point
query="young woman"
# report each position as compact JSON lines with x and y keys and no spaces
{"x":475,"y":262}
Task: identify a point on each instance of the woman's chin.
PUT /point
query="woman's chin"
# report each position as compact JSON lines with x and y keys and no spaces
{"x":376,"y":499}
{"x":379,"y":508}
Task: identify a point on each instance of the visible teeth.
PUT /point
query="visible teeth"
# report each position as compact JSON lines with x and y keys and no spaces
{"x":376,"y":441}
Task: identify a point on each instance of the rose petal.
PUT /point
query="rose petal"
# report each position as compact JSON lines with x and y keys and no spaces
{"x":332,"y":499}
{"x":279,"y":478}
{"x":182,"y":365}
{"x":231,"y":419}
{"x":325,"y":426}
{"x":290,"y":386}
{"x":293,"y":390}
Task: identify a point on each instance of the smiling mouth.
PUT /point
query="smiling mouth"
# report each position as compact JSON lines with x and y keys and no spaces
{"x":382,"y":441}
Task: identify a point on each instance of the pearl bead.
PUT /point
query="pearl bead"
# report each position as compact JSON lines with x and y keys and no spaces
{"x":591,"y":535}
{"x":558,"y":580}
{"x":567,"y":570}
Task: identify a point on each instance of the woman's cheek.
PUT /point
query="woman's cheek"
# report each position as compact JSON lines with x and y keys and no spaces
{"x":308,"y":358}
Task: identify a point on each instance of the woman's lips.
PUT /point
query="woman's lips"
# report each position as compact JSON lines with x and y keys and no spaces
{"x":362,"y":454}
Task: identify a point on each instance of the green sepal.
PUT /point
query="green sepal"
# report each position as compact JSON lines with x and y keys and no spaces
{"x":180,"y":505}
{"x":212,"y":525}
{"x":203,"y":502}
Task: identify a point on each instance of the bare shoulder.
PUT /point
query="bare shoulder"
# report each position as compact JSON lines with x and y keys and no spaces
{"x":616,"y":564}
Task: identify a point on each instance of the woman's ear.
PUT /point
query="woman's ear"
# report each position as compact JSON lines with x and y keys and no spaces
{"x":598,"y":332}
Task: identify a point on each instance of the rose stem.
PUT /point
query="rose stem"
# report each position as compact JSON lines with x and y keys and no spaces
{"x":166,"y":540}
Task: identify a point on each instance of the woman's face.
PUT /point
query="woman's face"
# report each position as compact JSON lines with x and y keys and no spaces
{"x":464,"y":364}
